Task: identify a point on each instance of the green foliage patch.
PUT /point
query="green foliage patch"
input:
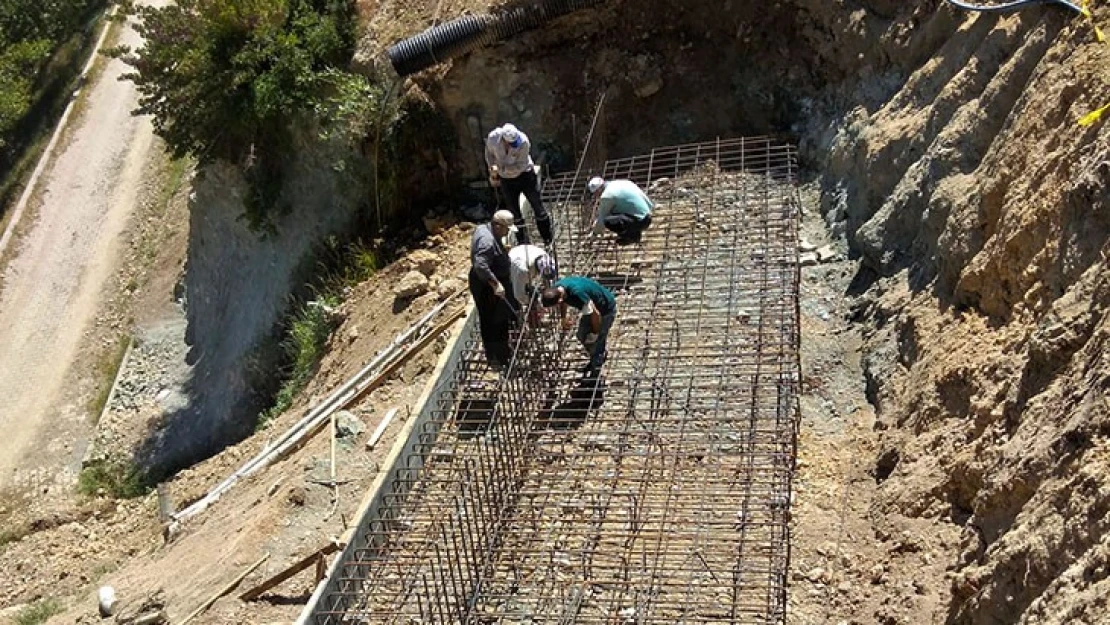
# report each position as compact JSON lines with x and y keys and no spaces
{"x":43,"y":45}
{"x":113,"y":478}
{"x":339,"y":267}
{"x":234,"y":79}
{"x":38,"y":612}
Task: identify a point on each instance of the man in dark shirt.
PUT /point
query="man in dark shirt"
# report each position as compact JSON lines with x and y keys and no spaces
{"x":489,"y":278}
{"x":597,"y":310}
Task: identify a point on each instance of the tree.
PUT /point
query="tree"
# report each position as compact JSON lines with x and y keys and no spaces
{"x":19,"y":66}
{"x":230,"y":78}
{"x":30,"y":32}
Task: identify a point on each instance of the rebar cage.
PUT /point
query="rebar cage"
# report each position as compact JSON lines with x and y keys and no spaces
{"x":656,"y":492}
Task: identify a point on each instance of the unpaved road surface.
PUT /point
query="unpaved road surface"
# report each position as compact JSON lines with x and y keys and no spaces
{"x":52,"y":285}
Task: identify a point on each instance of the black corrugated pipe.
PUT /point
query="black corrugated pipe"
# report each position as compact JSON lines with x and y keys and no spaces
{"x":469,"y":32}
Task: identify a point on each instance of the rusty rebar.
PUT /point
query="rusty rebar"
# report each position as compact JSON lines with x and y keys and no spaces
{"x":657,"y":492}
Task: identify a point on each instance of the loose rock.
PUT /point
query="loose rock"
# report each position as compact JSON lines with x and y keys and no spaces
{"x":413,"y":284}
{"x":348,"y":425}
{"x":424,"y":261}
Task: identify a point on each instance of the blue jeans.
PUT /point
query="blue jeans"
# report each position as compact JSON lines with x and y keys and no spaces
{"x":597,"y":348}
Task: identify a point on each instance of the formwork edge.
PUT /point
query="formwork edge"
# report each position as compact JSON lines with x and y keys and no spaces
{"x":406,"y":441}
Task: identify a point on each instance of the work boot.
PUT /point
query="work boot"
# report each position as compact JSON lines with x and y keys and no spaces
{"x":546,"y":231}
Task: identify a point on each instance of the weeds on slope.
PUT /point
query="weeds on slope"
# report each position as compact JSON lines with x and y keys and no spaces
{"x":106,"y":370}
{"x":8,"y":536}
{"x":113,"y":478}
{"x":339,"y":268}
{"x":38,"y":612}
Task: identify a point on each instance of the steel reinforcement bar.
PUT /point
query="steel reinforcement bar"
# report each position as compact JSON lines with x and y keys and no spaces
{"x":657,"y":492}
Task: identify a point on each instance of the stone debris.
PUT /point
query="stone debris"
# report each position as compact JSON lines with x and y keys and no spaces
{"x":449,"y":287}
{"x":437,"y":223}
{"x":424,"y":261}
{"x":827,"y":254}
{"x":347,"y":425}
{"x":151,"y":611}
{"x":412,"y":284}
{"x":106,"y":600}
{"x":878,"y":574}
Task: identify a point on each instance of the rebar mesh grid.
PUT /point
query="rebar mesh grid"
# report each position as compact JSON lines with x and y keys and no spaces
{"x":658,"y":492}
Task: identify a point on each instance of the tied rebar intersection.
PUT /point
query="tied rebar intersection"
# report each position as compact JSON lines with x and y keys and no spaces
{"x":656,"y":492}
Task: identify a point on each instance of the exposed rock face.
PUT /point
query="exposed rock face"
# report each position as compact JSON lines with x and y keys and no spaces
{"x":238,"y":284}
{"x":981,"y":212}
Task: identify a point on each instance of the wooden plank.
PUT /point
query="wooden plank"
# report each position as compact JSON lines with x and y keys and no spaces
{"x":313,"y":558}
{"x":377,"y":435}
{"x":381,"y":378}
{"x":225,"y":590}
{"x":310,"y":423}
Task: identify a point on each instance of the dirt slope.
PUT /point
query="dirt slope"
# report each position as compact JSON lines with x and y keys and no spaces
{"x":973,"y":488}
{"x":283,"y":510}
{"x":981,"y":214}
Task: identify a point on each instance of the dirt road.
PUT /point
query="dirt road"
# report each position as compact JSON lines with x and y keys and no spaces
{"x":52,"y":286}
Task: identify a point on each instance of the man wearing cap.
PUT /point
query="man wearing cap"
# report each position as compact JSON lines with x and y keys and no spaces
{"x":526,"y":263}
{"x":510,"y":167}
{"x":489,"y":277}
{"x":597,"y":309}
{"x":622,"y":208}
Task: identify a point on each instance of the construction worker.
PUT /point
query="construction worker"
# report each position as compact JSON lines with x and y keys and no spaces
{"x":511,"y":168}
{"x":526,"y":264}
{"x":622,"y":208}
{"x":597,"y":309}
{"x":490,"y":276}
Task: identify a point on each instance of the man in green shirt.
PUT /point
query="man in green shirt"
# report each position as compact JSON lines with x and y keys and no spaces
{"x":597,"y":309}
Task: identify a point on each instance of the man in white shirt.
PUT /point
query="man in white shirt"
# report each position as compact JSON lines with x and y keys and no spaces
{"x":526,"y":263}
{"x":508,"y":155}
{"x":622,"y":208}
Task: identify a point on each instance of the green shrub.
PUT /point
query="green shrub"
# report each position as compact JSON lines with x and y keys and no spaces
{"x":225,"y":77}
{"x":19,"y":64}
{"x":43,"y":46}
{"x":302,"y":348}
{"x":232,"y":79}
{"x":113,"y":478}
{"x":339,"y":267}
{"x":38,"y":612}
{"x":8,"y":536}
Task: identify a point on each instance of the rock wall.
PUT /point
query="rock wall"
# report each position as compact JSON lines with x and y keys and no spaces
{"x":979,"y":211}
{"x":671,"y":72}
{"x":238,"y":287}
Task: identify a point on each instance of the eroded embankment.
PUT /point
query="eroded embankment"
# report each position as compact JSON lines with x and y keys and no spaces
{"x":979,"y":209}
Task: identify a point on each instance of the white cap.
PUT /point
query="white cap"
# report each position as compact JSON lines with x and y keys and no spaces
{"x":504,"y":218}
{"x":595,"y":184}
{"x":509,"y":134}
